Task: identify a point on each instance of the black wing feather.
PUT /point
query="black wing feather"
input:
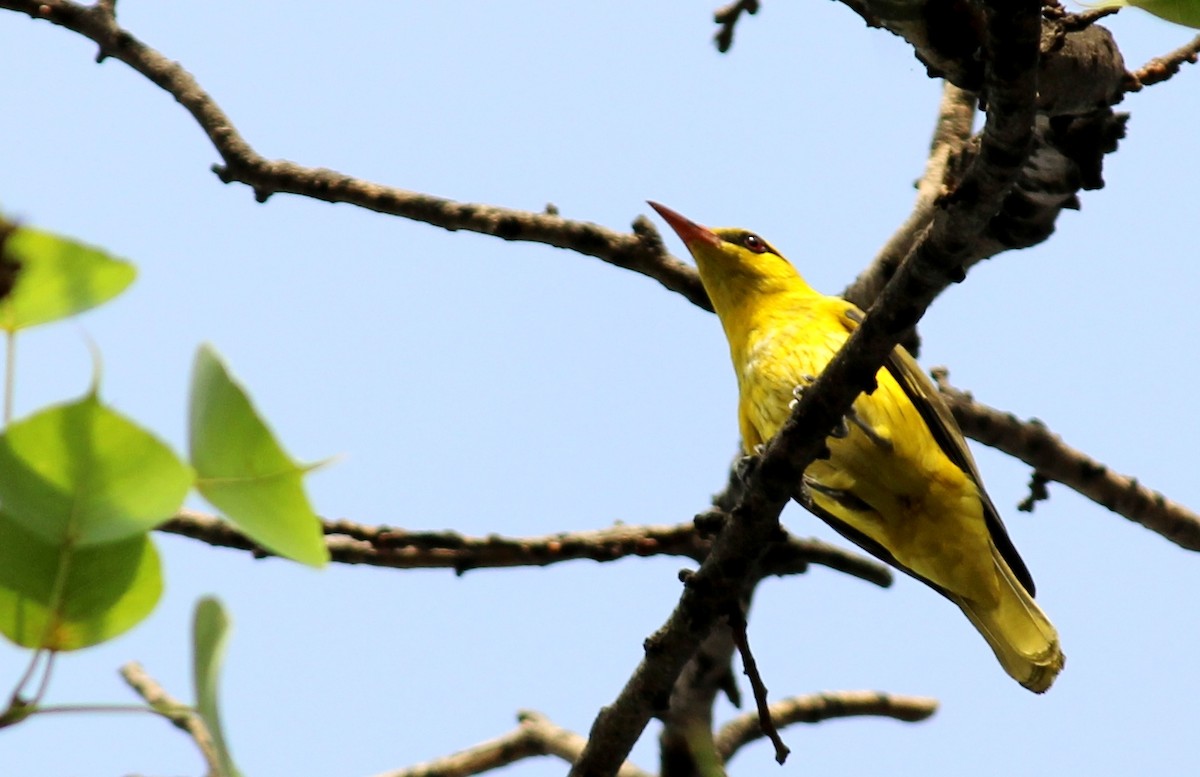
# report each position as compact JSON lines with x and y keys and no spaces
{"x":928,"y":401}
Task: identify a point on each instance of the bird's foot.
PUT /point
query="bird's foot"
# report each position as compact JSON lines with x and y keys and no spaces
{"x":745,"y":466}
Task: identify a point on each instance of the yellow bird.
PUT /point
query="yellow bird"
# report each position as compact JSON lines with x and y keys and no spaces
{"x":899,"y":481}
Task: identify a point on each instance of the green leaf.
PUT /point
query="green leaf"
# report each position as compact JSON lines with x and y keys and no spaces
{"x":244,"y":472}
{"x":210,"y":633}
{"x":61,"y":596}
{"x":83,"y":473}
{"x":58,"y":278}
{"x":1184,"y":12}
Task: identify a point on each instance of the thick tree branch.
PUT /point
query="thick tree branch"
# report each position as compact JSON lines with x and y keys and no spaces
{"x":641,"y":251}
{"x":1080,"y":76}
{"x":176,"y":712}
{"x":1011,"y":54}
{"x":535,"y":736}
{"x":819,"y":707}
{"x":1037,"y":446}
{"x":384,"y":546}
{"x":936,"y":259}
{"x":947,"y":36}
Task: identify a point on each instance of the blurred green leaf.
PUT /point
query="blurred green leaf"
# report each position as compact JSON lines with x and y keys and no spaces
{"x":244,"y":472}
{"x":64,"y":597}
{"x":210,"y":633}
{"x":58,"y":278}
{"x":1184,"y":12}
{"x":85,"y":474}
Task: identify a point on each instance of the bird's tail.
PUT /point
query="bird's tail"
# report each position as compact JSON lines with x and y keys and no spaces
{"x":1019,"y":633}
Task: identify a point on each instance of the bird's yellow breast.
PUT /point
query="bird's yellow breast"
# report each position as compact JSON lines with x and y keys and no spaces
{"x":888,"y":477}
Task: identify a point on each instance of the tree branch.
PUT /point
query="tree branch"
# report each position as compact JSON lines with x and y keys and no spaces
{"x":686,"y":747}
{"x":727,"y":16}
{"x":384,"y":546}
{"x":1080,"y":76}
{"x":765,"y":718}
{"x":1160,"y":69}
{"x":819,"y":707}
{"x":176,"y":712}
{"x":536,"y":735}
{"x":952,"y":131}
{"x":1037,"y":446}
{"x":1011,"y":57}
{"x":641,"y":251}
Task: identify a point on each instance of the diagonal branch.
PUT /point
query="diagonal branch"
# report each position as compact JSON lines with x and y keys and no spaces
{"x":1037,"y":446}
{"x":384,"y":546}
{"x":937,"y":258}
{"x":1011,"y":59}
{"x":641,"y":251}
{"x":818,"y":707}
{"x":952,"y":131}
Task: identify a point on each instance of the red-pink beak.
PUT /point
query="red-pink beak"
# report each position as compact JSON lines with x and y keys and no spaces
{"x":689,"y":231}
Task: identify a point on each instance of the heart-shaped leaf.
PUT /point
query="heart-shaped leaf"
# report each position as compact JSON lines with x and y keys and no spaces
{"x":58,"y":278}
{"x":85,"y":474}
{"x":61,"y":596}
{"x":244,"y":472}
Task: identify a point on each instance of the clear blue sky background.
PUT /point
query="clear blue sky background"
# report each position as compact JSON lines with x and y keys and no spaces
{"x":484,"y":386}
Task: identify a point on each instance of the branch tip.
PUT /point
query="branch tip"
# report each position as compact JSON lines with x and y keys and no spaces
{"x":737,"y":623}
{"x":727,"y":16}
{"x":1163,"y":68}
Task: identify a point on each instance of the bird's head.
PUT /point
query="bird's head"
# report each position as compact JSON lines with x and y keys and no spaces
{"x":736,"y":266}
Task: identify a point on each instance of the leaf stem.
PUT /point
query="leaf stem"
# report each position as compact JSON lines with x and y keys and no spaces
{"x":61,"y":708}
{"x":10,"y":363}
{"x":28,"y":675}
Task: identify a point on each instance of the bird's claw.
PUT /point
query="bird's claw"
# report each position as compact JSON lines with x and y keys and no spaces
{"x":745,"y":466}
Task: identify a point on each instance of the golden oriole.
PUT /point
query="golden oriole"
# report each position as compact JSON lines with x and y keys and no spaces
{"x":899,"y":480}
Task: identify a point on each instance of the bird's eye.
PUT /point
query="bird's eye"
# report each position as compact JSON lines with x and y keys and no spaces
{"x":754,"y":243}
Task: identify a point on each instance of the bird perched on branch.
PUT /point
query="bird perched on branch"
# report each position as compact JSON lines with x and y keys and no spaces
{"x":899,"y":480}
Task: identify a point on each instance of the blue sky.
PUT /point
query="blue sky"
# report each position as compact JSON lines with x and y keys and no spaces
{"x":482,"y":386}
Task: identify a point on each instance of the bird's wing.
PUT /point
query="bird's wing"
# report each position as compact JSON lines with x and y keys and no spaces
{"x":941,"y":424}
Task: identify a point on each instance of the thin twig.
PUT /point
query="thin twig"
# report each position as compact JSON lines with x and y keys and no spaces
{"x":535,"y":736}
{"x":727,"y":16}
{"x":1160,"y":69}
{"x":952,"y":131}
{"x":384,"y":546}
{"x":176,"y":712}
{"x":766,"y":722}
{"x":1073,"y":22}
{"x":1034,"y":444}
{"x":819,"y":707}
